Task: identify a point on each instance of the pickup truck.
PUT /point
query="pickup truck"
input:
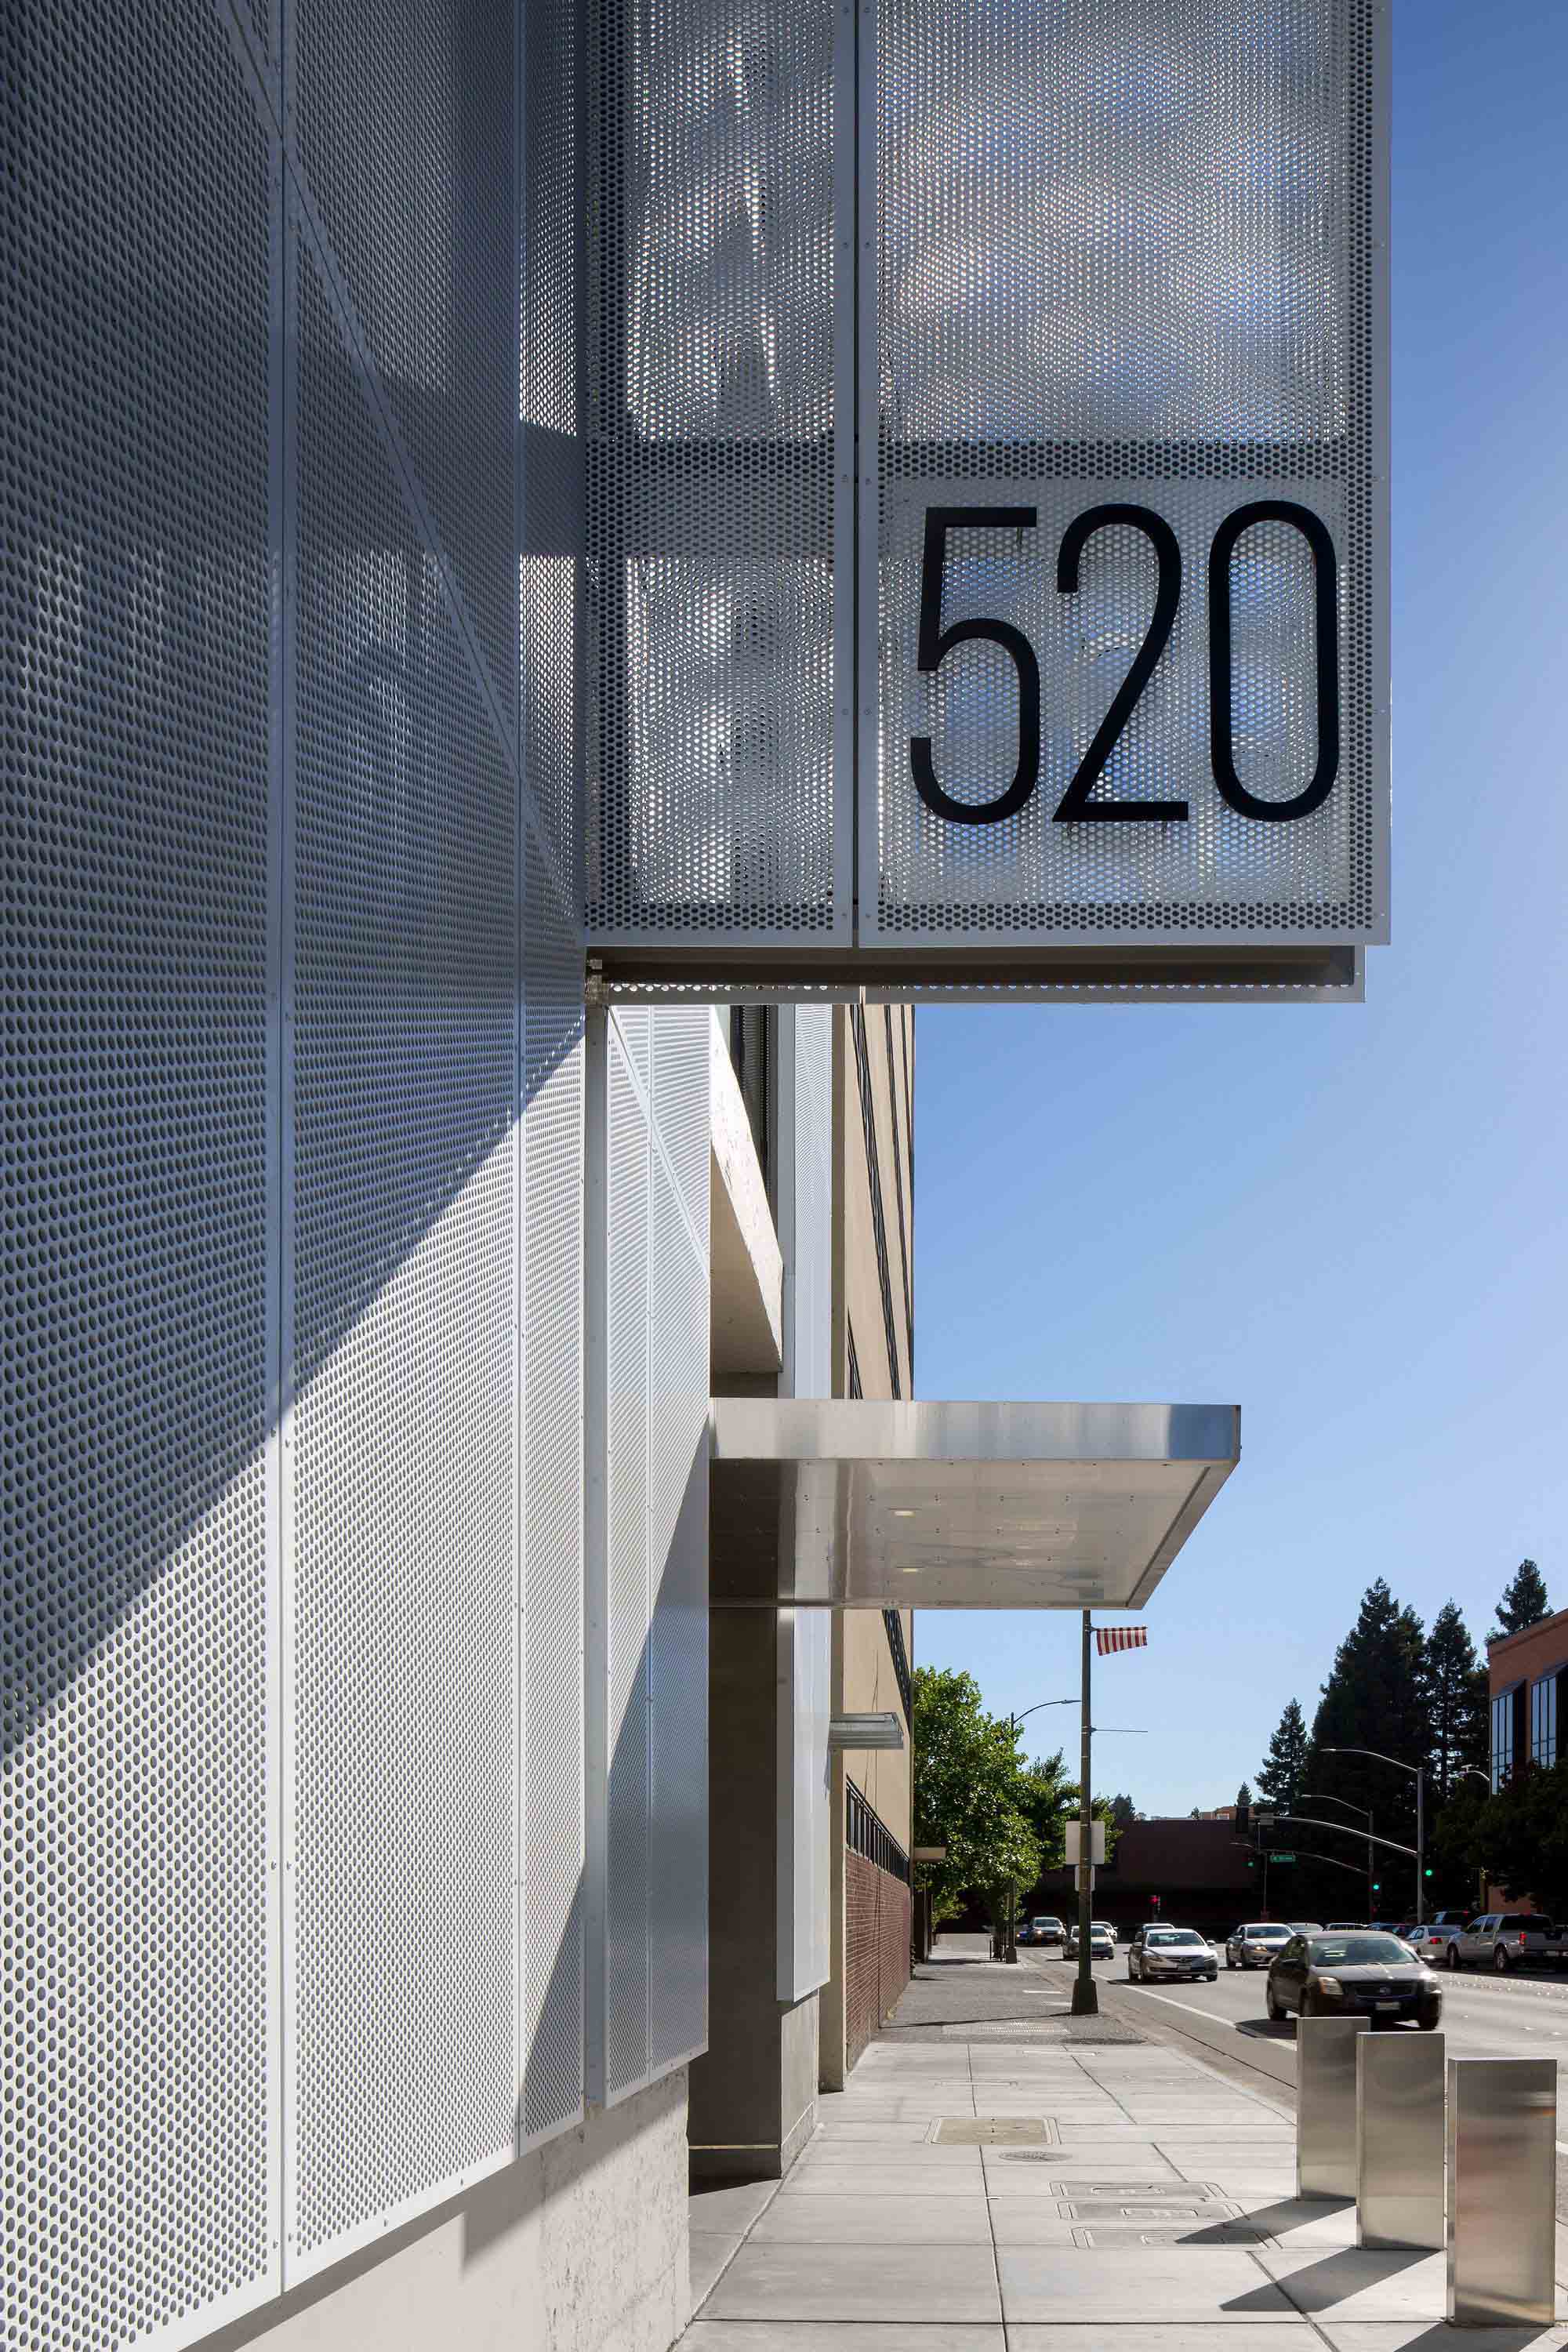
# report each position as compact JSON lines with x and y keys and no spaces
{"x":1501,"y":1940}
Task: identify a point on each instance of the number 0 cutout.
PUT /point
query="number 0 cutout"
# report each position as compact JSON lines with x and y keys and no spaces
{"x":1325,"y":576}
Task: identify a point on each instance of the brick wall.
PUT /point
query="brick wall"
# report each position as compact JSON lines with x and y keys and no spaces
{"x":876,"y":1949}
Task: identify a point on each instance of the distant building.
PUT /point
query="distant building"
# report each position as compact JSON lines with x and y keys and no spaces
{"x":1525,"y":1677}
{"x":1193,"y":1872}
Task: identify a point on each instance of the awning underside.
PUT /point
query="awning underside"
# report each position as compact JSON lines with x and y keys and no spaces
{"x":864,"y":1505}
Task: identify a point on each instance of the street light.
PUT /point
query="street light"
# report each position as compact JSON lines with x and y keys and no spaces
{"x":1419,"y":1770}
{"x":1010,"y":1943}
{"x":1319,"y":1797}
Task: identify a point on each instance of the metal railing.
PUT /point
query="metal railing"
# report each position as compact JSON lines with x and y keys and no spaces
{"x":865,"y":1832}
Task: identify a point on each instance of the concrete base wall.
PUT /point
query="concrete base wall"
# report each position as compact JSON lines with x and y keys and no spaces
{"x":580,"y":2247}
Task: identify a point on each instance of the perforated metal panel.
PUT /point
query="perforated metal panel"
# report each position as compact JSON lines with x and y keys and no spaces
{"x":551,"y":543}
{"x":677,"y":1557}
{"x":401,"y":1756}
{"x":625,"y":1663}
{"x":680,"y":1040}
{"x":553,"y":1540}
{"x":648,"y":1660}
{"x":404,"y":127}
{"x":137,"y":1946}
{"x":710,"y":663}
{"x":1124,"y":254}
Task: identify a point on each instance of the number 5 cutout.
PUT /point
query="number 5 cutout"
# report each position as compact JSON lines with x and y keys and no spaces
{"x":935,"y":643}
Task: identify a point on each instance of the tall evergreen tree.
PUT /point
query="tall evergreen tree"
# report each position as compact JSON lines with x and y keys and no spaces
{"x":1376,"y":1697}
{"x":1243,"y":1797}
{"x":1523,"y":1601}
{"x":1284,"y":1770}
{"x":1456,"y":1696}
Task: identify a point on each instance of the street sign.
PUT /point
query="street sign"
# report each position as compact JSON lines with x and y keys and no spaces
{"x":1281,"y":1857}
{"x":1074,"y":1843}
{"x":928,"y":1854}
{"x":1009,"y":610}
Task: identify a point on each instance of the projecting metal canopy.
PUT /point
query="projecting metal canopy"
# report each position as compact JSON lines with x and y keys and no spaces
{"x":855,"y":1505}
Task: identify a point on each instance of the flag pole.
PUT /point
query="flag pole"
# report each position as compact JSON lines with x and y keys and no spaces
{"x":1085,"y":1994}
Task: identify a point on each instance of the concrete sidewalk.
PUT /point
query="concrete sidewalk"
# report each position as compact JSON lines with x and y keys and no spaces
{"x":1049,"y":2193}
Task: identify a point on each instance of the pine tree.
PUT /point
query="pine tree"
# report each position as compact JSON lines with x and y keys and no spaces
{"x":1523,"y":1601}
{"x":1243,"y":1798}
{"x":1376,"y":1697}
{"x":1284,"y":1768}
{"x":1457,"y":1697}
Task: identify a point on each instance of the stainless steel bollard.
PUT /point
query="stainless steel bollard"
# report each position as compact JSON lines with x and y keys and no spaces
{"x":1503,"y":2191}
{"x":1400,"y":2082}
{"x":1325,"y":2104}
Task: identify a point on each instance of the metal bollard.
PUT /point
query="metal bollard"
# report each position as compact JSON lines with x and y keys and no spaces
{"x":1503,"y":2191}
{"x":1400,"y":2082}
{"x":1326,"y":2104}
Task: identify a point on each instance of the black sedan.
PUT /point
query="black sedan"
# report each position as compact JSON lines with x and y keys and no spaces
{"x":1362,"y":1974}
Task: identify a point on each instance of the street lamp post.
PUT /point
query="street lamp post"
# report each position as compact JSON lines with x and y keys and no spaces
{"x":1319,"y":1797}
{"x":1400,"y":1765}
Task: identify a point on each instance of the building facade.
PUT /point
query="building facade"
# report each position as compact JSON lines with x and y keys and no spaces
{"x":1525,"y":1683}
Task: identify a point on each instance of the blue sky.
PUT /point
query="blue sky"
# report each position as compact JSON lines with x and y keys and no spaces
{"x":1351,"y":1221}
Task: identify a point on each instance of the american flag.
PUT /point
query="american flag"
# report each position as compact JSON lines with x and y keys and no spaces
{"x":1119,"y":1637}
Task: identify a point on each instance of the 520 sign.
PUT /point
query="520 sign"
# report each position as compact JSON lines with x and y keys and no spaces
{"x":1077,"y":805}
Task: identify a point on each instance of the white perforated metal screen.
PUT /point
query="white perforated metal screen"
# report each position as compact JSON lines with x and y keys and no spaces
{"x":716,"y":428}
{"x":648,"y":1657}
{"x":138,"y":2142}
{"x":402,"y":1703}
{"x":553,"y":1797}
{"x":1125,"y":258}
{"x":290,"y":1151}
{"x":1105,"y":257}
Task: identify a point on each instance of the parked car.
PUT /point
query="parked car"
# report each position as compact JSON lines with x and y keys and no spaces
{"x":1428,"y":1942}
{"x":1044,"y":1927}
{"x":1102,"y":1940}
{"x":1340,"y":1927}
{"x":1157,"y":1951}
{"x":1255,"y":1945}
{"x":1364,"y":1973}
{"x":1500,"y":1940}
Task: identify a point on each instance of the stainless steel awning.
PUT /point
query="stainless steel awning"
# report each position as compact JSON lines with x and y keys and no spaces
{"x":836,"y":1504}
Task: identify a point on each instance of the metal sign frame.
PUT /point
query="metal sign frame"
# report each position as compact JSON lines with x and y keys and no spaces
{"x":855,"y":952}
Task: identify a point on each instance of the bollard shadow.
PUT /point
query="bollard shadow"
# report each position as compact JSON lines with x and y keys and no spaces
{"x":1317,"y":2287}
{"x":1264,"y":2029}
{"x":1274,"y":2220}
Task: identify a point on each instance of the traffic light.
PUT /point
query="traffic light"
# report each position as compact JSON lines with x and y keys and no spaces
{"x":1427,"y":1872}
{"x":1153,"y":1903}
{"x":1377,"y":1886}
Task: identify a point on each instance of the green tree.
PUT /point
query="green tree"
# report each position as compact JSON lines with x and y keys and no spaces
{"x":1456,"y":1698}
{"x":1376,"y":1697}
{"x":1523,"y":1601}
{"x":1521,"y":1838}
{"x":1243,"y":1797}
{"x":967,"y":1795}
{"x":1118,"y":1812}
{"x":1284,"y":1770}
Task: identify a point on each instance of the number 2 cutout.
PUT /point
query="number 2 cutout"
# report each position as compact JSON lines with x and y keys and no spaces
{"x":1075,"y":807}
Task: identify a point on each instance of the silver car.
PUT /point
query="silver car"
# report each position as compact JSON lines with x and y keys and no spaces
{"x":1102,"y":1940}
{"x":1161,"y":1952}
{"x":1256,"y":1944}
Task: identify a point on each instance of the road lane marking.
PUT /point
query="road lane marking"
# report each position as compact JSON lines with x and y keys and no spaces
{"x":1190,"y":2006}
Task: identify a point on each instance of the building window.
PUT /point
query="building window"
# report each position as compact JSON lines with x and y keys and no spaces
{"x":1502,"y":1739}
{"x":748,"y":1045}
{"x":1543,"y":1721}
